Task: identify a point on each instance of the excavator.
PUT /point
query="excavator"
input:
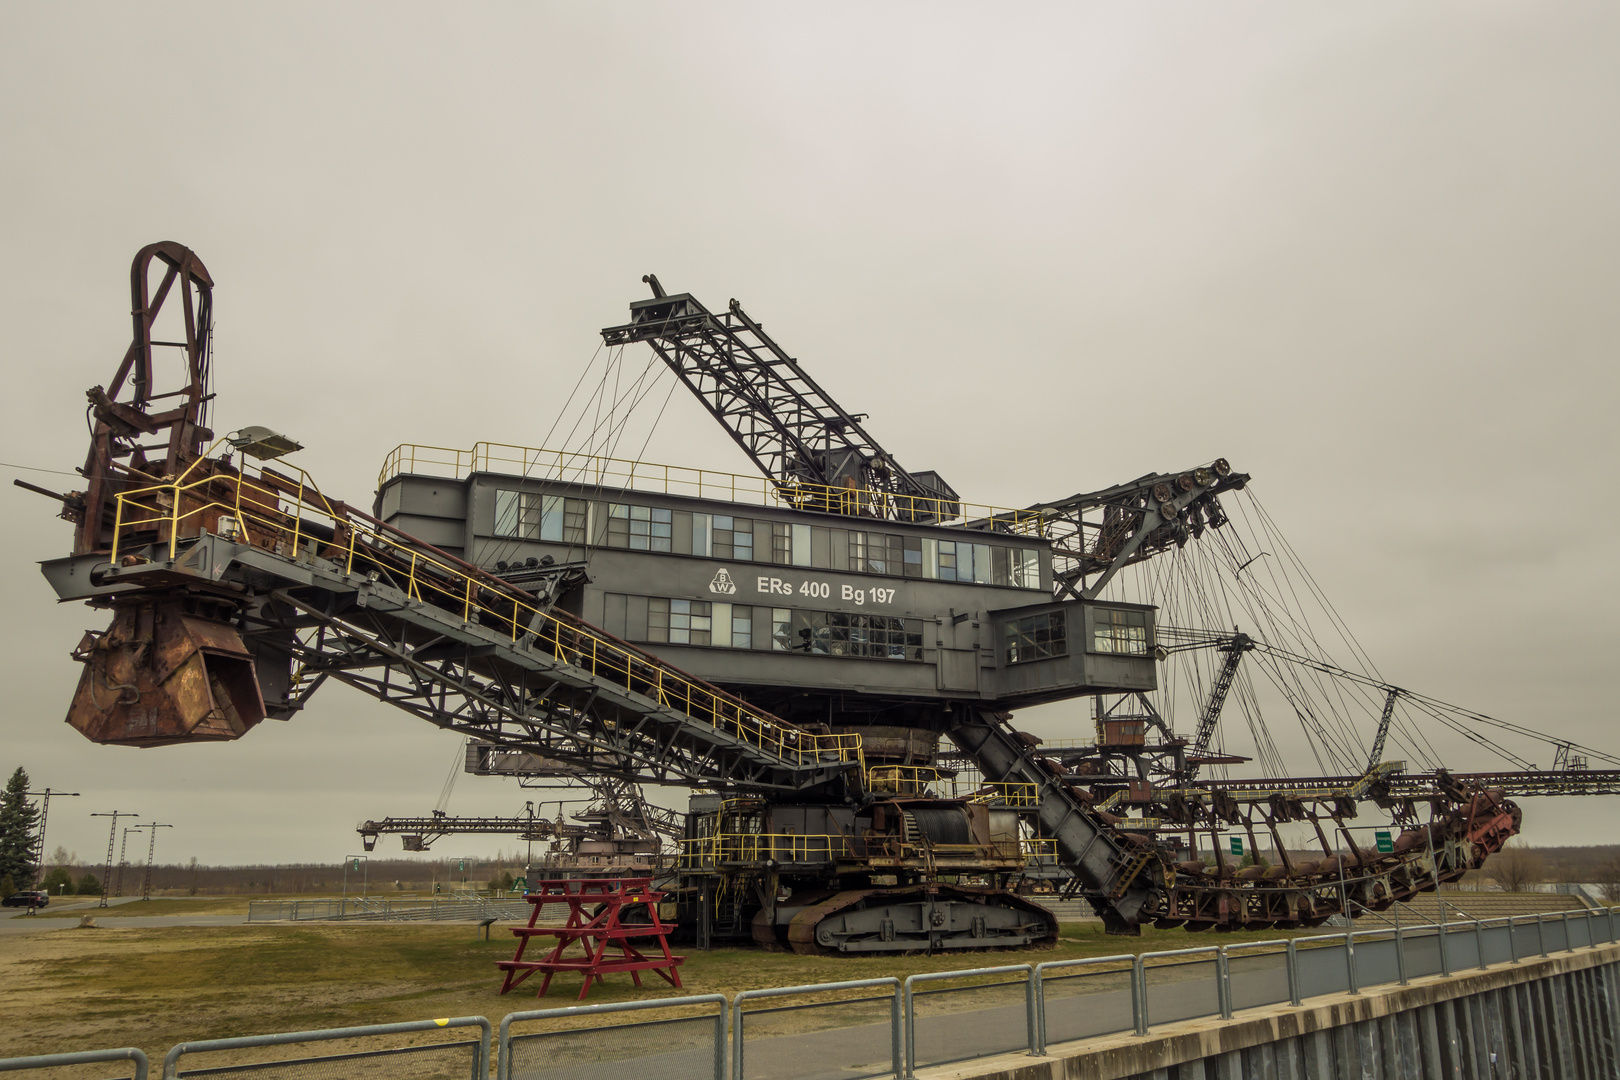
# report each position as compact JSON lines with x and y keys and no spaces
{"x":815,"y":652}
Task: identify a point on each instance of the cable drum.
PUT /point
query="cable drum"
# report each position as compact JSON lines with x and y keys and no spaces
{"x":942,"y":824}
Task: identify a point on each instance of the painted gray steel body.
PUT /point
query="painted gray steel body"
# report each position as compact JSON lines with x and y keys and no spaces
{"x":964,"y":624}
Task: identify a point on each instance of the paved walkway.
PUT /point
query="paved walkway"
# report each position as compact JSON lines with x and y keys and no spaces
{"x":18,"y":921}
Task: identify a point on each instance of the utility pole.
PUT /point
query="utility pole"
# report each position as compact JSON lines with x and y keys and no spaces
{"x":151,"y":849}
{"x":44,"y":816}
{"x":121,"y":860}
{"x":111,"y":838}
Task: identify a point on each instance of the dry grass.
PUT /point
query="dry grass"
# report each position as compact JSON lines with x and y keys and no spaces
{"x":72,"y":989}
{"x":70,"y":907}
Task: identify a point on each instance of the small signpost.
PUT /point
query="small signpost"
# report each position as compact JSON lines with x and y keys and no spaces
{"x":1385,"y":845}
{"x":1237,"y":845}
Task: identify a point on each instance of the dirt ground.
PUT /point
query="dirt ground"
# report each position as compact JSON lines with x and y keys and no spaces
{"x":74,"y":989}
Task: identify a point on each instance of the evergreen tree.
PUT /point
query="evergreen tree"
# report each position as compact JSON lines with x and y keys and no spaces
{"x":18,"y":819}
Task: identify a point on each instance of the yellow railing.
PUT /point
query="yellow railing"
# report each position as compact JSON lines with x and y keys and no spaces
{"x":900,"y":779}
{"x":756,"y":848}
{"x":762,"y":847}
{"x":1017,"y":795}
{"x":273,"y":512}
{"x":589,"y":470}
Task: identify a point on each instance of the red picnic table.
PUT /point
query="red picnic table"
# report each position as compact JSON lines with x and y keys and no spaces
{"x":596,"y":910}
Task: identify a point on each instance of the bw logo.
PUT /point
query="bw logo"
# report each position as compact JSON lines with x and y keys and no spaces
{"x":722,"y":583}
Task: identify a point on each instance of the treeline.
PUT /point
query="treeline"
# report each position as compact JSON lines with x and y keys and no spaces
{"x":377,"y":875}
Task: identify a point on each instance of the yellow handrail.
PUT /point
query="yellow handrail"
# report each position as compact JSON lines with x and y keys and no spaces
{"x":186,"y":507}
{"x":1008,"y":794}
{"x":593,"y":471}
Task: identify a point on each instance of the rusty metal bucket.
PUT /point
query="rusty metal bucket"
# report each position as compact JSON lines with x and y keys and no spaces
{"x":161,"y":674}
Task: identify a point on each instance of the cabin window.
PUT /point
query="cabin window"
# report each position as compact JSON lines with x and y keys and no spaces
{"x":1026,"y":568}
{"x":639,"y":528}
{"x":1036,"y":637}
{"x":1120,"y":632}
{"x":530,"y":515}
{"x":733,"y":538}
{"x":679,"y":622}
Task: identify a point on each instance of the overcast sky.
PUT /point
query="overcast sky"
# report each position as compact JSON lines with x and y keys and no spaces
{"x":1360,"y":250}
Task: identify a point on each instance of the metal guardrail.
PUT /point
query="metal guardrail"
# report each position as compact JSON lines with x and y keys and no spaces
{"x":478,"y":1067}
{"x":384,"y":909}
{"x":83,"y":1057}
{"x":1063,"y":1000}
{"x":568,"y":467}
{"x":616,"y":1035}
{"x":910,"y":994}
{"x":896,"y":1042}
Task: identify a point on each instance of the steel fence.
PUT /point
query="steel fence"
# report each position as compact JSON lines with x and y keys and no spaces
{"x":876,"y":1028}
{"x":446,"y":1058}
{"x":970,"y":1021}
{"x":691,"y":1047}
{"x":83,"y":1057}
{"x":846,"y":1038}
{"x":1081,"y":999}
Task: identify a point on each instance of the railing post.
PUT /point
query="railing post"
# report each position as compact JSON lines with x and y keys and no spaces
{"x":1139,"y":1011}
{"x":1541,"y":931}
{"x":1400,"y":954}
{"x":1513,"y":941}
{"x":1040,"y":1008}
{"x":911,"y":1029}
{"x":1479,"y":943}
{"x":1223,"y":982}
{"x":1569,"y":946}
{"x":1293,"y":973}
{"x":736,"y":1040}
{"x":1350,"y":960}
{"x":1445,"y":953}
{"x":1031,"y":1021}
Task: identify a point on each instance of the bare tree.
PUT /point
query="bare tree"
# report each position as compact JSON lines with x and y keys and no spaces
{"x":1516,"y":867}
{"x":1608,"y":879}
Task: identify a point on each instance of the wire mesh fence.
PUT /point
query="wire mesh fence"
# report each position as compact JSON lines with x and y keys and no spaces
{"x":449,"y":1049}
{"x":1257,"y":974}
{"x":1323,"y":965}
{"x":847,"y":1031}
{"x":84,"y":1065}
{"x":679,"y":1039}
{"x":1082,"y":999}
{"x":993,"y":1013}
{"x":1182,"y":984}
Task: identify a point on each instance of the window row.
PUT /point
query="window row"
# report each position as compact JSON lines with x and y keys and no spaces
{"x":724,"y":536}
{"x":1037,"y":637}
{"x":741,"y":626}
{"x":1122,"y":632}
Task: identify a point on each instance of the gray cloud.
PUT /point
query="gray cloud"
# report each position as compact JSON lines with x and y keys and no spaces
{"x":1366,"y":253}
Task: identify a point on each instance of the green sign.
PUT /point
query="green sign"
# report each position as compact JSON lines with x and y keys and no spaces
{"x":357,"y":864}
{"x":1385,"y":844}
{"x":1237,"y":845}
{"x":463,"y":864}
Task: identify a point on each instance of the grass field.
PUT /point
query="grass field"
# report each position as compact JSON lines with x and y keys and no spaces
{"x":71,"y":989}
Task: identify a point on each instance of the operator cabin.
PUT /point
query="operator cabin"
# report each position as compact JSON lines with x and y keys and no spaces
{"x":816,"y":616}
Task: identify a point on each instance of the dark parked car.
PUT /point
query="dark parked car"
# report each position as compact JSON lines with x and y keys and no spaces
{"x":27,"y":899}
